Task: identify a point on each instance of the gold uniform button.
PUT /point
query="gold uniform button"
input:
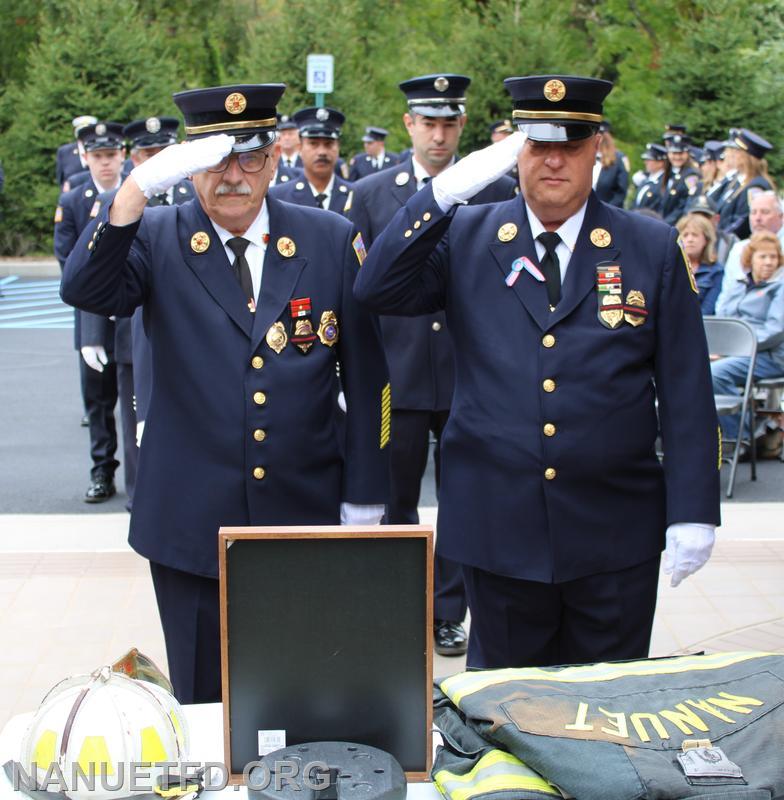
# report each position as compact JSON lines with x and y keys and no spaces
{"x":259,"y":473}
{"x":426,"y":216}
{"x":408,"y":233}
{"x":549,"y":429}
{"x":259,"y":435}
{"x":548,"y":340}
{"x":550,"y":474}
{"x":257,"y":362}
{"x":548,"y":385}
{"x":259,"y":398}
{"x":436,"y":326}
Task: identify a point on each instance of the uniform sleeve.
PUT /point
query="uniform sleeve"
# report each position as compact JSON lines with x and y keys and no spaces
{"x":621,"y":184}
{"x":687,"y":414}
{"x":365,"y":380}
{"x":405,"y":273}
{"x":65,"y":230}
{"x":107,"y":272}
{"x":359,"y":214}
{"x":94,"y":330}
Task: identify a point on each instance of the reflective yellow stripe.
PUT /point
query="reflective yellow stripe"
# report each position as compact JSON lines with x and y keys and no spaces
{"x":507,"y":771}
{"x":386,"y":416}
{"x":463,"y":684}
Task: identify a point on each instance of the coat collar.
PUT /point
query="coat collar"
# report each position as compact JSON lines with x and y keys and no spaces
{"x":402,"y":191}
{"x":580,"y":275}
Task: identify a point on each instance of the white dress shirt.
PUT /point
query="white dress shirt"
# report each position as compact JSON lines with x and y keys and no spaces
{"x":327,"y":191}
{"x":568,"y":232}
{"x":420,"y":173}
{"x":254,"y":254}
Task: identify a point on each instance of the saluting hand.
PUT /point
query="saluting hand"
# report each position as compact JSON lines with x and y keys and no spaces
{"x":471,"y":174}
{"x":180,"y":161}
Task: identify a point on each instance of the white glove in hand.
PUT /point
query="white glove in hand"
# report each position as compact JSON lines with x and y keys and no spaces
{"x":353,"y":514}
{"x":471,"y":174}
{"x":95,"y":357}
{"x":180,"y":161}
{"x":689,"y":545}
{"x":139,"y":433}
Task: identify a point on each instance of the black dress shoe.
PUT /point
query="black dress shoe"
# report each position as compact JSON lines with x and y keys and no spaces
{"x":450,"y":638}
{"x":85,"y":423}
{"x":101,"y":488}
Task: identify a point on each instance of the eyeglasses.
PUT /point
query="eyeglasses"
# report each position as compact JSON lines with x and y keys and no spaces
{"x":252,"y":161}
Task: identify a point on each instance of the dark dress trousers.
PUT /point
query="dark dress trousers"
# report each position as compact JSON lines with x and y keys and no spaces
{"x":549,"y":471}
{"x":237,"y":433}
{"x":421,"y":369}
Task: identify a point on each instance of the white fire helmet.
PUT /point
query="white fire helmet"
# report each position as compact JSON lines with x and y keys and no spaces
{"x":106,"y":724}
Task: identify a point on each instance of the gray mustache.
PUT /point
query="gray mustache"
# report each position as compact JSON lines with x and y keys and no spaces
{"x":233,"y":188}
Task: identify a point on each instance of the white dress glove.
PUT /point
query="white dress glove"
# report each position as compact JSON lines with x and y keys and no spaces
{"x":95,"y":357}
{"x":689,"y":545}
{"x":353,"y":514}
{"x":180,"y":161}
{"x":471,"y":174}
{"x":139,"y":433}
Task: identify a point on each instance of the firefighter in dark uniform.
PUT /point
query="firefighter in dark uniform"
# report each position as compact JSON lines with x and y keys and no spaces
{"x":500,"y":130}
{"x":318,"y":186}
{"x":250,"y":308}
{"x":571,"y":318}
{"x":104,"y":147}
{"x":375,"y":158}
{"x":145,"y":137}
{"x":683,"y":167}
{"x":419,"y":350}
{"x":752,"y":178}
{"x":68,"y":160}
{"x":648,"y":194}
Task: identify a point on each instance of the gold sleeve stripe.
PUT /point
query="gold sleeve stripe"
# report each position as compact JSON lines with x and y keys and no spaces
{"x":386,"y":415}
{"x":720,"y":448}
{"x":688,"y":270}
{"x":349,"y":201}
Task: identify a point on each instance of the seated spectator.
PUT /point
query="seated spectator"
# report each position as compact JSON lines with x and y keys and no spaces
{"x":758,"y":299}
{"x":698,"y":238}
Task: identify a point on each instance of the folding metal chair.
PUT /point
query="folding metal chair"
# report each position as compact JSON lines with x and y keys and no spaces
{"x":732,"y":337}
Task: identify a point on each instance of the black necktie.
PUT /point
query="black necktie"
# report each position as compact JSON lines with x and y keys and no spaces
{"x":240,"y":267}
{"x":551,"y":267}
{"x":320,"y":198}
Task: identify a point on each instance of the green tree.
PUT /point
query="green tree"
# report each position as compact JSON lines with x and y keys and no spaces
{"x":91,"y":58}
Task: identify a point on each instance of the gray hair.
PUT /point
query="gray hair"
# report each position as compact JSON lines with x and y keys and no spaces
{"x":769,"y":194}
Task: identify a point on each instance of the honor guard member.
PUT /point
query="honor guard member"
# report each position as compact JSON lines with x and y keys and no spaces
{"x":103,"y":146}
{"x":375,"y":158}
{"x":419,"y":350}
{"x":751,"y":179}
{"x":318,"y":186}
{"x":249,"y":307}
{"x":611,"y":170}
{"x":500,"y":130}
{"x":649,"y":194}
{"x":683,"y":168}
{"x":288,"y":136}
{"x":69,"y":159}
{"x":571,"y":318}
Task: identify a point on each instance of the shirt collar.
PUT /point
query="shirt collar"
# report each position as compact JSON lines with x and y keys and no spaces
{"x":254,"y":234}
{"x":568,"y":232}
{"x":327,"y":189}
{"x":420,"y":173}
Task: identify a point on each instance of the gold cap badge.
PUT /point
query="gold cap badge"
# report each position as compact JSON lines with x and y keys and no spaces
{"x":200,"y":241}
{"x":286,"y":247}
{"x":401,"y":179}
{"x":507,"y":232}
{"x":276,"y":336}
{"x":235,"y":103}
{"x":600,"y":237}
{"x":554,"y":90}
{"x":441,"y":84}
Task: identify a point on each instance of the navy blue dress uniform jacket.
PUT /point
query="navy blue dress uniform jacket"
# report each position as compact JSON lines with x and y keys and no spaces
{"x":299,"y":192}
{"x":613,"y":182}
{"x":419,"y":351}
{"x":734,"y":213}
{"x":237,"y":433}
{"x":608,"y":500}
{"x":75,"y":209}
{"x":67,"y":161}
{"x":362,"y":165}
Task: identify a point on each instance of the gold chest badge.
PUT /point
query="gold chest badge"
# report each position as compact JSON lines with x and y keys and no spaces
{"x":507,"y":232}
{"x":600,"y":237}
{"x":634,"y":311}
{"x":328,"y":329}
{"x":276,"y":337}
{"x":200,"y":241}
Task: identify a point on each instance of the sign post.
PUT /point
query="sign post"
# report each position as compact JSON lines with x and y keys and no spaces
{"x":321,"y":73}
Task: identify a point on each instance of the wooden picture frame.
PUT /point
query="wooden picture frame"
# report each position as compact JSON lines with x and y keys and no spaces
{"x":349,"y":660}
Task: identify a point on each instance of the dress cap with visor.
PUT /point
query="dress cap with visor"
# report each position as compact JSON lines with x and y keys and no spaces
{"x":557,"y":108}
{"x":441,"y":95}
{"x":245,"y":111}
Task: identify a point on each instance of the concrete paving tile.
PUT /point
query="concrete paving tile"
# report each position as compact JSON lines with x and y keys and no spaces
{"x":752,"y":604}
{"x":762,"y":571}
{"x":738,"y":618}
{"x":674,"y":602}
{"x":690,"y":628}
{"x":663,"y":643}
{"x":777,"y":601}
